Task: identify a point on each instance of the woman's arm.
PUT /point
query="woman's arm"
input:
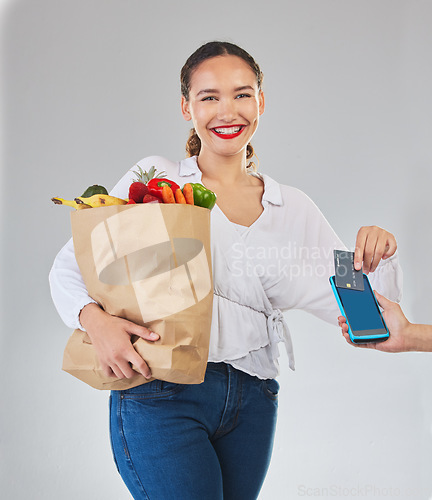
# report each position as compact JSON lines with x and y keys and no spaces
{"x":68,"y":290}
{"x":312,"y":291}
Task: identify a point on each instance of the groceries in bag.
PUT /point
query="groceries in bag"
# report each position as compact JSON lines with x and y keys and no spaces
{"x":149,"y":263}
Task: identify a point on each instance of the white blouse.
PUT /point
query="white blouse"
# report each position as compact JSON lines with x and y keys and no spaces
{"x":281,"y":262}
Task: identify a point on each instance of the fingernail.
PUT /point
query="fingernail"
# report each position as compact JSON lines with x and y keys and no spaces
{"x":154,"y":335}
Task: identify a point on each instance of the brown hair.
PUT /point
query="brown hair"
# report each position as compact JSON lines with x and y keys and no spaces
{"x":207,"y":51}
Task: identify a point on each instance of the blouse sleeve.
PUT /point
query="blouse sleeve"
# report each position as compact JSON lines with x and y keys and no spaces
{"x":312,"y":289}
{"x":68,"y":290}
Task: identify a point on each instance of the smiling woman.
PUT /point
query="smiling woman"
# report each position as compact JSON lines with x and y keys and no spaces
{"x":214,"y":440}
{"x":245,"y":67}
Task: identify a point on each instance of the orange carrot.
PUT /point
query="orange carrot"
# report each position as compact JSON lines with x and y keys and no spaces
{"x":188,"y":194}
{"x":179,"y":197}
{"x":167,"y":195}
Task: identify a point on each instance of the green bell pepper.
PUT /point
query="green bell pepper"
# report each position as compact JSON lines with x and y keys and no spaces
{"x":203,"y":197}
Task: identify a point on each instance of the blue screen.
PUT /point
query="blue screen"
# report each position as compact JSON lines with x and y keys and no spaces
{"x":360,"y":308}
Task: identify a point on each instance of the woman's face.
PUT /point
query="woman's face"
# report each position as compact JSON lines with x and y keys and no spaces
{"x":224,"y":104}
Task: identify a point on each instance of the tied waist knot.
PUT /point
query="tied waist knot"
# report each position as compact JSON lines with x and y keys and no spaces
{"x":278,"y":331}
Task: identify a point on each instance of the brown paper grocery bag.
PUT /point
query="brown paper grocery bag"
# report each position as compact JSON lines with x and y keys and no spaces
{"x":151,"y":264}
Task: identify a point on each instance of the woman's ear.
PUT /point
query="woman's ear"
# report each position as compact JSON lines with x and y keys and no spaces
{"x":261,"y":102}
{"x":185,"y":109}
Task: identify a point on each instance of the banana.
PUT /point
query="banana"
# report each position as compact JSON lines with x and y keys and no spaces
{"x":100,"y":200}
{"x":70,"y":203}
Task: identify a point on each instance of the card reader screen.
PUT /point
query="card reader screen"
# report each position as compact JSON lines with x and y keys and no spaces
{"x":360,"y":308}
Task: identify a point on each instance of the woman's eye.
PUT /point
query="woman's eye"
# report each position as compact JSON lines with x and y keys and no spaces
{"x":209,"y":98}
{"x":243,"y":95}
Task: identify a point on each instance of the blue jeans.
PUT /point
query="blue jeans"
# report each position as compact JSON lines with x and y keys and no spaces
{"x":209,"y":441}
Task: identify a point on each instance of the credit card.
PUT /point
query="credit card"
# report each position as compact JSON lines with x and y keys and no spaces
{"x":345,"y":274}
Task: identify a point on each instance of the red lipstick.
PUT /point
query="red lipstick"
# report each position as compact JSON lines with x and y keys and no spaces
{"x":228,"y":135}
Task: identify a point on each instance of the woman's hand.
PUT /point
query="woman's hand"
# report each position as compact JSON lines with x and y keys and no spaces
{"x":373,"y":244}
{"x":398,"y":325}
{"x":111,"y":338}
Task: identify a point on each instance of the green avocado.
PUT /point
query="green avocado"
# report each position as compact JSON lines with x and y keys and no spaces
{"x":95,"y":189}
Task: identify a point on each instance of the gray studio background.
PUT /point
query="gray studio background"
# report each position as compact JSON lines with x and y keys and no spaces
{"x":91,"y":87}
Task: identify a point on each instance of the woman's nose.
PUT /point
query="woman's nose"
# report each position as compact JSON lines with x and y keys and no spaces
{"x":226,"y":110}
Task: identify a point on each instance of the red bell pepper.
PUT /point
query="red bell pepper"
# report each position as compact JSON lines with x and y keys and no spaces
{"x":155,"y":186}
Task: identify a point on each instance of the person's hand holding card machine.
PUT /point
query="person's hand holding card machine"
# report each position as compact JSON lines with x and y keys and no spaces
{"x":357,"y":301}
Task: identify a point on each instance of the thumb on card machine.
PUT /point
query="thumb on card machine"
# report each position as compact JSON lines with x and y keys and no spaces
{"x":345,"y":274}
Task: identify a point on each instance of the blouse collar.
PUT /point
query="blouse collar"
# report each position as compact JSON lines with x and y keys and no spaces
{"x":272,"y":190}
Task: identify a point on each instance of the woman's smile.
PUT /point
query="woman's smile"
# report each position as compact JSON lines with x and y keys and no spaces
{"x":228,"y":132}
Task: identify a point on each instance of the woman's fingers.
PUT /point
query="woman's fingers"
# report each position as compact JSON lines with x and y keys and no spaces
{"x":369,"y":252}
{"x":107,"y":370}
{"x":364,"y":248}
{"x":359,"y":248}
{"x":111,"y":338}
{"x":114,"y":371}
{"x":139,"y":365}
{"x":128,"y":356}
{"x":379,"y":252}
{"x":125,"y":369}
{"x":373,"y":244}
{"x":142,"y":331}
{"x":122,"y":361}
{"x":391,"y":247}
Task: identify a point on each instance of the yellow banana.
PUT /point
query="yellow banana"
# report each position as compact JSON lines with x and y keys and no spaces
{"x":100,"y":200}
{"x":70,"y":203}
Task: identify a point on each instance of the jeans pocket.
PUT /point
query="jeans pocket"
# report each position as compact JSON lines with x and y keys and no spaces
{"x":170,"y":387}
{"x":271,"y":388}
{"x":155,"y":389}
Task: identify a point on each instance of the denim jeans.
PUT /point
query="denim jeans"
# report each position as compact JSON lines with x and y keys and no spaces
{"x":208,"y":441}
